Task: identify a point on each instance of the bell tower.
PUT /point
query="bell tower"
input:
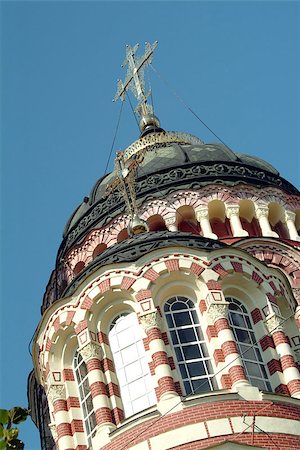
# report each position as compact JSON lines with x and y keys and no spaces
{"x":171,"y":319}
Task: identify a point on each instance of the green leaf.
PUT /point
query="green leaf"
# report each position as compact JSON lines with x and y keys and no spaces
{"x":18,"y":414}
{"x":2,"y":445}
{"x":4,"y":416}
{"x":1,"y":432}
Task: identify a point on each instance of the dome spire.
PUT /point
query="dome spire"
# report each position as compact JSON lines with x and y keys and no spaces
{"x":135,"y":82}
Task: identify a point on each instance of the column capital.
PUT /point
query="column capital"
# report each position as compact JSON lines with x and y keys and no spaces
{"x":273,"y":323}
{"x":261,"y":211}
{"x":290,"y":215}
{"x":217,"y":311}
{"x":171,"y":220}
{"x":90,"y":350}
{"x":232,"y":210}
{"x":150,"y":320}
{"x":201,"y":212}
{"x":56,"y":392}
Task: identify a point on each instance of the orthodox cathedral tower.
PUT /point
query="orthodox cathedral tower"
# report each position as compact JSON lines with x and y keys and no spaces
{"x":171,"y":318}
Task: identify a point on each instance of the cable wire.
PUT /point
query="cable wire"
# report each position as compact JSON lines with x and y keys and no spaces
{"x":195,"y":390}
{"x":172,"y":90}
{"x":114,"y":138}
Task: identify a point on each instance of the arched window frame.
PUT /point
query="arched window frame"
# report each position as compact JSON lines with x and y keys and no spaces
{"x":244,"y":332}
{"x":134,"y":377}
{"x":188,"y":340}
{"x":85,"y":396}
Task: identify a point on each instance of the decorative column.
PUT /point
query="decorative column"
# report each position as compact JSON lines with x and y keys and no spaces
{"x":151,"y":323}
{"x":290,"y":223}
{"x":233,"y":214}
{"x":62,"y":426}
{"x":262,"y":214}
{"x":217,"y":315}
{"x":202,"y":217}
{"x":91,"y":354}
{"x":290,"y":370}
{"x":171,"y":223}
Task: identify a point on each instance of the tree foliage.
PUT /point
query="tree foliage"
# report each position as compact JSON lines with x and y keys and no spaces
{"x":8,"y":433}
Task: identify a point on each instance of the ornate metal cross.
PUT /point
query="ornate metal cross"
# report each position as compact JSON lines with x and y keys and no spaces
{"x":135,"y":76}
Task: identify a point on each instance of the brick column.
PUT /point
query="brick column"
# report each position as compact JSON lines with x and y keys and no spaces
{"x":262,"y":214}
{"x":151,"y":323}
{"x":289,"y":366}
{"x":217,"y":315}
{"x":202,"y":217}
{"x":233,"y":214}
{"x":62,"y":431}
{"x":91,"y":354}
{"x":290,"y":223}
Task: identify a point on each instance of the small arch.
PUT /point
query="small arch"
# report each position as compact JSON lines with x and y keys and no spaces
{"x":156,"y":223}
{"x":276,"y":218}
{"x":78,"y":267}
{"x":98,"y":250}
{"x":297,"y":220}
{"x":186,"y":220}
{"x":248,"y":219}
{"x":122,"y":235}
{"x":219,"y":223}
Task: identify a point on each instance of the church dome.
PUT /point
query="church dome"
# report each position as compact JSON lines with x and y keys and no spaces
{"x":170,"y":163}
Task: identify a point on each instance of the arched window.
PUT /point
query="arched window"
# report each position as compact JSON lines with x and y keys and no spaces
{"x":132,"y":369}
{"x":85,"y":397}
{"x":250,"y":353}
{"x":189,"y":345}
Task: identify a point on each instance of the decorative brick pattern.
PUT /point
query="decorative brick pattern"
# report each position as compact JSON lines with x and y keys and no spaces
{"x":102,"y":338}
{"x":274,"y":366}
{"x":211,"y":332}
{"x":81,"y":326}
{"x":218,"y":356}
{"x":220,"y":270}
{"x":151,"y":275}
{"x":256,"y":315}
{"x":172,"y":265}
{"x":213,"y":285}
{"x":104,"y":286}
{"x":143,"y":294}
{"x":237,"y":267}
{"x":257,"y":278}
{"x":103,"y":415}
{"x":127,"y":282}
{"x":266,"y":342}
{"x":68,"y":375}
{"x":87,"y":303}
{"x":196,"y":269}
{"x":202,"y":306}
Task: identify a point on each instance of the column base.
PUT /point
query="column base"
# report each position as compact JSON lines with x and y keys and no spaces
{"x":241,"y":233}
{"x":169,"y":401}
{"x":210,"y":235}
{"x":270,"y":234}
{"x":101,"y":437}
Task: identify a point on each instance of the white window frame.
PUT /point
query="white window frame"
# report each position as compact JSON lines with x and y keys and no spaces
{"x":132,"y":369}
{"x":85,"y":397}
{"x":197,"y":373}
{"x":249,"y":350}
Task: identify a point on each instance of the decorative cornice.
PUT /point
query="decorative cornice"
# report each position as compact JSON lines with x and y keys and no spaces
{"x":133,"y":248}
{"x":191,"y":175}
{"x":150,"y":320}
{"x":56,"y":392}
{"x":90,"y":350}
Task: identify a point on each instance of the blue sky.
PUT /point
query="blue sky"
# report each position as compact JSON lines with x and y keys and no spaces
{"x":236,"y":64}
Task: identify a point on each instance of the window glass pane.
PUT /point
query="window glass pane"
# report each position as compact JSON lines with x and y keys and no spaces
{"x":250,"y":352}
{"x":132,"y":369}
{"x":182,"y":318}
{"x":196,"y":369}
{"x":174,"y":337}
{"x":178,"y":306}
{"x":201,"y":385}
{"x":238,"y":320}
{"x":189,"y":344}
{"x":191,"y":352}
{"x":243,"y":336}
{"x":170,"y":321}
{"x":187,"y":335}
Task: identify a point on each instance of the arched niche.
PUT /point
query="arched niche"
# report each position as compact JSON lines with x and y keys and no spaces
{"x":276,"y":219}
{"x":248,"y":219}
{"x":220,"y":225}
{"x":99,"y":249}
{"x":156,"y":223}
{"x":186,"y":220}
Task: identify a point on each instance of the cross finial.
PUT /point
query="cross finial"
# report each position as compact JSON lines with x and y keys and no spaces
{"x":135,"y":77}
